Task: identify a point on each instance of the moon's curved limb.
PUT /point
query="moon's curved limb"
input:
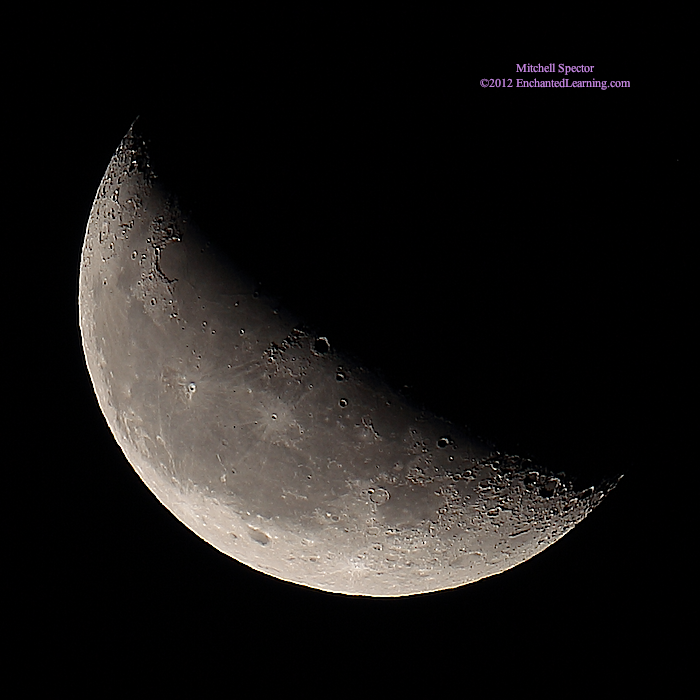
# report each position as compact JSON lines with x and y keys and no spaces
{"x":269,"y":443}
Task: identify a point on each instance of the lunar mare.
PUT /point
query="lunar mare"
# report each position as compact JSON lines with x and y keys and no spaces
{"x":269,"y":443}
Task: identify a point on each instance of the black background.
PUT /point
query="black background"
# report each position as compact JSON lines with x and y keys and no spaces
{"x":514,"y":256}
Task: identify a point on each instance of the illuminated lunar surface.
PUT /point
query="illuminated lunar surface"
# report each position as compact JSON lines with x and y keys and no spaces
{"x":270,"y":443}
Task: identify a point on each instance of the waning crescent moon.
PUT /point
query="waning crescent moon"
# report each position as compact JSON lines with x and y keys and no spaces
{"x":267,"y":441}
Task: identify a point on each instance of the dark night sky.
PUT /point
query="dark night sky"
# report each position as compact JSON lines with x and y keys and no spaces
{"x":508,"y":253}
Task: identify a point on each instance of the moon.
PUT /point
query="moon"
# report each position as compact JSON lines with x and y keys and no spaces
{"x":273,"y":445}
